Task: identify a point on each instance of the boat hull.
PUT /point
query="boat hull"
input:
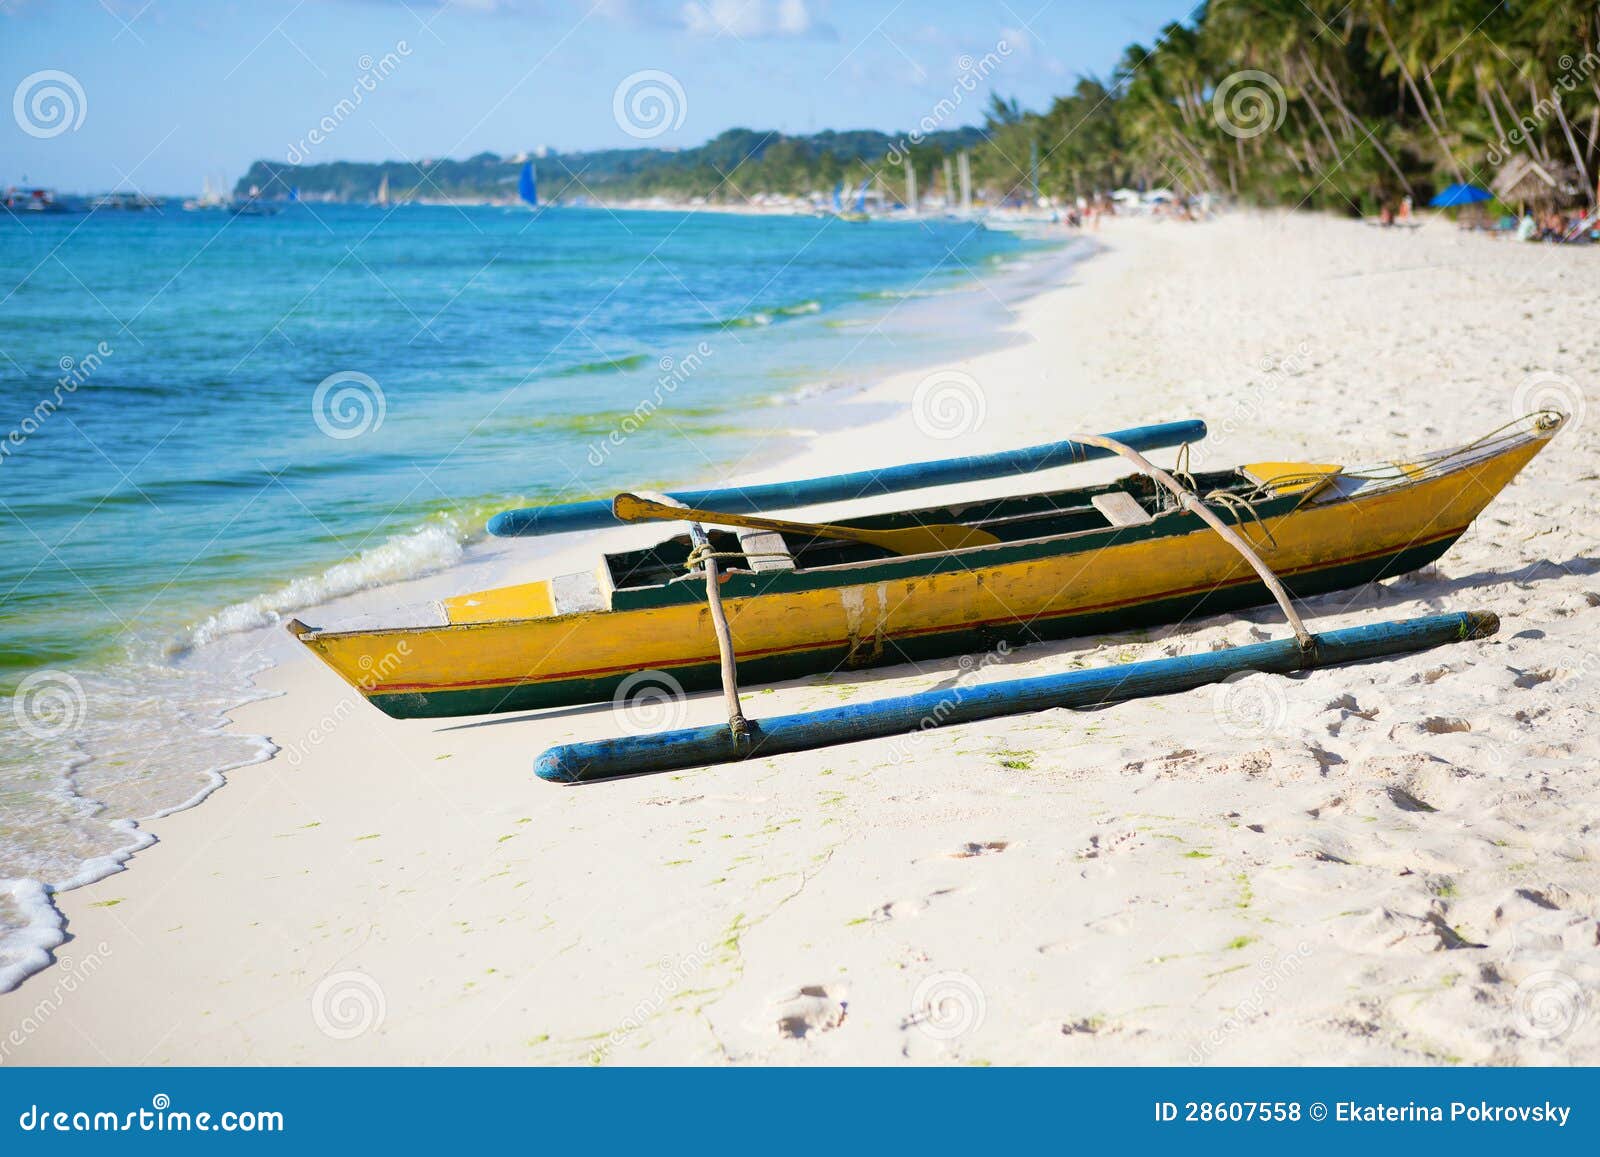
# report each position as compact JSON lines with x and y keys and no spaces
{"x":900,"y":611}
{"x":704,"y":674}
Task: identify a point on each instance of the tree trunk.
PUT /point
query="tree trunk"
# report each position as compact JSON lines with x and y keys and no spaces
{"x":1516,"y":120}
{"x":1422,"y":104}
{"x":1494,"y":114}
{"x":1332,"y":94}
{"x":1438,"y":105}
{"x":1316,"y":114}
{"x":1572,"y":145}
{"x":1327,"y":87}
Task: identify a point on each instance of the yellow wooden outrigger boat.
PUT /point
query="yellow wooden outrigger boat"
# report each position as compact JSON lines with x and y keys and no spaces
{"x":807,"y":599}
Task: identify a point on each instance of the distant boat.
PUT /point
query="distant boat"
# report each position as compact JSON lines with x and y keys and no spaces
{"x":252,"y":205}
{"x":124,"y":203}
{"x":210,"y":198}
{"x":383,"y":191}
{"x":857,"y":214}
{"x":33,"y":201}
{"x":528,"y":188}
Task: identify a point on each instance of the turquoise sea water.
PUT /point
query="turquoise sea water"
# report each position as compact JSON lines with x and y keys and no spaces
{"x":207,"y":422}
{"x":192,"y":463}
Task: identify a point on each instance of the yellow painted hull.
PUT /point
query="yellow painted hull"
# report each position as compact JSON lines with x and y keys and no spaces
{"x":505,"y":650}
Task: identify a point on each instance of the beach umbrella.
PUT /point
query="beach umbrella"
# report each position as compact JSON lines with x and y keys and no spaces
{"x":1460,"y":195}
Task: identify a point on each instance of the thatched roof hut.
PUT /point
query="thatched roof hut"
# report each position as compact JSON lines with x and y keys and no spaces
{"x":1525,"y":182}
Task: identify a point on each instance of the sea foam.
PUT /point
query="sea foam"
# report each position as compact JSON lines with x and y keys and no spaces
{"x":402,"y":556}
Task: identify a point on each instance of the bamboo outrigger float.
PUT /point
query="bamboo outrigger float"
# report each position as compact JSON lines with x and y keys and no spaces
{"x":802,"y":600}
{"x":598,"y":514}
{"x":703,"y":746}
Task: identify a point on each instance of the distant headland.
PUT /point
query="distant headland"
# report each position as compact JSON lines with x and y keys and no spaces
{"x":732,"y":167}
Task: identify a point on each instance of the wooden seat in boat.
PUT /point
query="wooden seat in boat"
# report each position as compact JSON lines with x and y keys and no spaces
{"x":762,"y":547}
{"x":1121,"y":508}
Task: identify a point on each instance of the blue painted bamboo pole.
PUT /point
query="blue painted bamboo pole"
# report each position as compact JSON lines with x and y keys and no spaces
{"x":842,"y":487}
{"x":701,"y":746}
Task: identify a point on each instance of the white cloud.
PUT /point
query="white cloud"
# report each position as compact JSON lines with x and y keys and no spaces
{"x":1016,"y":39}
{"x":754,"y":20}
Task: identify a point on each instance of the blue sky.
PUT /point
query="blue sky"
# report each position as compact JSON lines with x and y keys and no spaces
{"x":156,"y":94}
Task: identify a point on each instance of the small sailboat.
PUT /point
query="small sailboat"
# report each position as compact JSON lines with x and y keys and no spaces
{"x":859,"y":212}
{"x":383,"y":192}
{"x":252,"y":205}
{"x":528,"y":188}
{"x":211,"y":198}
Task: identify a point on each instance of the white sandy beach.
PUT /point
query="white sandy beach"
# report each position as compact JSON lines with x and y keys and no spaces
{"x":1392,"y":864}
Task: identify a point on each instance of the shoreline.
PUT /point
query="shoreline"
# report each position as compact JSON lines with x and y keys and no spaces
{"x":218,"y":642}
{"x":1149,"y":887}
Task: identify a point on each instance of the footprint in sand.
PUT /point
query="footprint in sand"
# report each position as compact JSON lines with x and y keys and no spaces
{"x":1347,"y":709}
{"x":1433,"y":725}
{"x":1104,"y":847}
{"x":1087,"y":1026}
{"x":815,"y":1008}
{"x":1385,"y":930}
{"x":1406,"y":802}
{"x":1434,"y":674}
{"x":970,"y":850}
{"x":900,"y":909}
